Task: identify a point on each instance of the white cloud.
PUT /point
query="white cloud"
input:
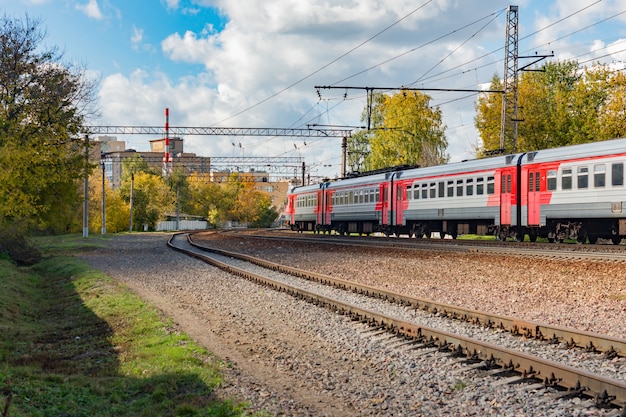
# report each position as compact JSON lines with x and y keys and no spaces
{"x":617,"y":50}
{"x":268,"y":46}
{"x":136,"y":38}
{"x":91,"y":9}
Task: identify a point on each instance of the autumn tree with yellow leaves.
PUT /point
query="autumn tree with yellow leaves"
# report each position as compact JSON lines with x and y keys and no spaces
{"x":403,"y":130}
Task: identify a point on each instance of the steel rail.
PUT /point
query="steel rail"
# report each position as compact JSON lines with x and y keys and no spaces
{"x":457,"y":246}
{"x":573,"y":337}
{"x":551,"y":373}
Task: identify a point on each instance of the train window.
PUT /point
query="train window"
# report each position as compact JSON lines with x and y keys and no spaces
{"x":480,"y":186}
{"x":506,"y":183}
{"x":424,"y":191}
{"x":583,"y":177}
{"x":433,"y":190}
{"x":469,"y":186}
{"x":617,"y":174}
{"x":450,"y":188}
{"x":442,"y":189}
{"x":566,"y":179}
{"x":416,"y":191}
{"x":377,"y":195}
{"x":599,"y":176}
{"x":350,"y":197}
{"x":409,"y":192}
{"x":459,"y":188}
{"x":491,"y":185}
{"x":551,"y":183}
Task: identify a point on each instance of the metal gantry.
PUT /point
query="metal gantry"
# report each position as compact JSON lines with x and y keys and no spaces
{"x":215,"y":131}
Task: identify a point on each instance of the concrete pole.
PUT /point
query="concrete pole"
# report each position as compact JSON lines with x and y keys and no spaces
{"x":86,"y":191}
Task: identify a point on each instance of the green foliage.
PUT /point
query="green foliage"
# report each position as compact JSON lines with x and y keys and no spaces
{"x":558,"y":106}
{"x":42,"y":106}
{"x":488,"y":114}
{"x":404,"y":130}
{"x":83,"y":345}
{"x":15,"y":244}
{"x":152,"y":200}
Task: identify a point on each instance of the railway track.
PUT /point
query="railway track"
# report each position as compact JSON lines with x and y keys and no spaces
{"x":605,"y":390}
{"x":538,"y":250}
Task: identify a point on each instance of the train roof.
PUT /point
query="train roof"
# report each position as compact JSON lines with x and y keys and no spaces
{"x":581,"y":151}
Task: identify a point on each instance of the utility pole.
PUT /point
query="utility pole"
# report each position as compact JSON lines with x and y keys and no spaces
{"x":104,"y":212}
{"x":86,"y":191}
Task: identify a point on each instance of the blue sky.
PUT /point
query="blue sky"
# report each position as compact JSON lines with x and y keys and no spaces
{"x":222,"y":62}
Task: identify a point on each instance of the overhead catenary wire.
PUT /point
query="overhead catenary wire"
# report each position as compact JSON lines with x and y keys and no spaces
{"x":328,"y":64}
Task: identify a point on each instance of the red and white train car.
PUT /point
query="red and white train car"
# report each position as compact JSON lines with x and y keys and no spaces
{"x":574,"y":192}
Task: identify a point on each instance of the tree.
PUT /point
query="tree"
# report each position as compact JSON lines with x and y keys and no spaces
{"x":117,"y":210}
{"x":357,"y":150}
{"x":205,"y":199}
{"x":613,"y":118}
{"x":405,"y":130}
{"x":42,"y":107}
{"x":488,"y":114}
{"x":153,"y":200}
{"x":560,"y":105}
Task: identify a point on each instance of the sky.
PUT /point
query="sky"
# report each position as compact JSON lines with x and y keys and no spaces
{"x":255,"y":64}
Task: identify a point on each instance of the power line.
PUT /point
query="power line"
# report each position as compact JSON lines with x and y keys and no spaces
{"x":326,"y":65}
{"x":418,"y":47}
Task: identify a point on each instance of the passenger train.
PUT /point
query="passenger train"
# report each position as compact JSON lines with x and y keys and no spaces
{"x":574,"y":192}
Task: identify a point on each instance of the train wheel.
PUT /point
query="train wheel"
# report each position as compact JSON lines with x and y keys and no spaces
{"x":532,"y":236}
{"x":581,"y":239}
{"x":593,"y":239}
{"x":616,"y":240}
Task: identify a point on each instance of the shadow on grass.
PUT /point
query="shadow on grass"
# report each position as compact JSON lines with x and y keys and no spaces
{"x":75,"y":343}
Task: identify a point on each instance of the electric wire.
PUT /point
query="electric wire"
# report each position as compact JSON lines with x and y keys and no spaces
{"x":271,"y":96}
{"x":416,"y":48}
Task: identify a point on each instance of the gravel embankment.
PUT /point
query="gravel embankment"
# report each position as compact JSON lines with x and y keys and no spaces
{"x":586,"y":295}
{"x":289,"y":358}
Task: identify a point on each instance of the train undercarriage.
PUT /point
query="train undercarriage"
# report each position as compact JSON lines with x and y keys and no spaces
{"x":555,"y":230}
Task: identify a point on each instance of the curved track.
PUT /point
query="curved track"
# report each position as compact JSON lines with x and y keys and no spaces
{"x":551,"y":373}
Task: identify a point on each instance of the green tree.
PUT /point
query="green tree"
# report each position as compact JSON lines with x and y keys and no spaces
{"x":405,"y":130}
{"x":153,"y":200}
{"x":357,"y":150}
{"x":613,"y":118}
{"x":487,"y":119}
{"x":42,"y":107}
{"x":117,"y":214}
{"x":205,"y":199}
{"x":559,"y":105}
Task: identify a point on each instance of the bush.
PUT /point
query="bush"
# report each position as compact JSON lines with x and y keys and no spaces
{"x":15,"y":244}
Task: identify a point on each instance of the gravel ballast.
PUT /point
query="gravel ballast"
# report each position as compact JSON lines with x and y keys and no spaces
{"x":289,"y":358}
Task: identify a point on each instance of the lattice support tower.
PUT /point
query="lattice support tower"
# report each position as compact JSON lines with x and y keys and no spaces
{"x":509,"y":119}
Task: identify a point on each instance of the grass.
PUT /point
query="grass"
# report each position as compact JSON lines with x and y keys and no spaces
{"x":77,"y":343}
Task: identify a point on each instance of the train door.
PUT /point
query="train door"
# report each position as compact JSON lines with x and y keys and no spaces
{"x":398,"y":196}
{"x":506,"y":196}
{"x":385,"y":190}
{"x":320,"y":206}
{"x":328,"y":206}
{"x":534,"y":197}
